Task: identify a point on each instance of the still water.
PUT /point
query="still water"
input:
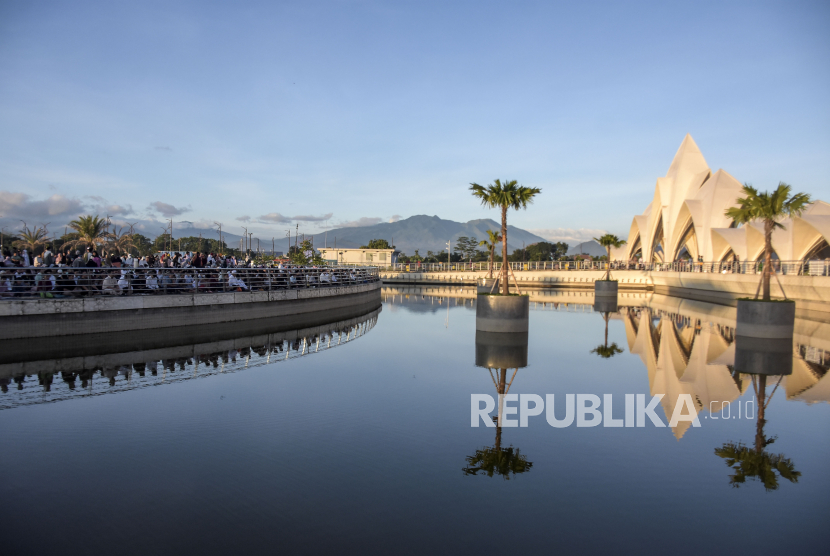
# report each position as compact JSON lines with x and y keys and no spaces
{"x":353,"y":436}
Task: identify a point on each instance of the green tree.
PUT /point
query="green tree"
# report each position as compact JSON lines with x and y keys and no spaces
{"x":608,"y":241}
{"x":769,"y":208}
{"x":300,"y":255}
{"x":142,"y":244}
{"x":493,"y":238}
{"x":461,"y":245}
{"x":378,"y":244}
{"x":91,"y":232}
{"x":505,"y":195}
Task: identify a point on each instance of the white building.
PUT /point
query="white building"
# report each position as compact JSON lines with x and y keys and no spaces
{"x":367,"y":257}
{"x":686,"y":220}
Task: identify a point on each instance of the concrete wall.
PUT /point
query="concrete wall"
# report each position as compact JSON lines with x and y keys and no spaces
{"x":812,"y":293}
{"x":62,"y":317}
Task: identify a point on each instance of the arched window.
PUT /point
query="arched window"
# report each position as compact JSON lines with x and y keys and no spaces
{"x":821,"y":251}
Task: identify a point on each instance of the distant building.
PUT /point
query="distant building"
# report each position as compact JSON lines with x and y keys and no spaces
{"x":367,"y":257}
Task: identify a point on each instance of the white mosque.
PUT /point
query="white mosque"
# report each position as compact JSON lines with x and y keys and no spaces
{"x":686,"y":220}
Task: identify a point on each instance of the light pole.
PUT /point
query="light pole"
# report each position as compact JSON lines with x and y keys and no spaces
{"x":245,"y":236}
{"x":449,"y":253}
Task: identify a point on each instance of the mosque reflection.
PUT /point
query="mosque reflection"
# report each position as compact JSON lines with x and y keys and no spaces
{"x":690,"y":347}
{"x":498,"y":353}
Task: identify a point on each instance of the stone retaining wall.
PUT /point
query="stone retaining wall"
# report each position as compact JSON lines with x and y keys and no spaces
{"x":36,"y":318}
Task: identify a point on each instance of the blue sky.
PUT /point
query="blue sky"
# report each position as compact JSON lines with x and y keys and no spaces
{"x":333,"y":113}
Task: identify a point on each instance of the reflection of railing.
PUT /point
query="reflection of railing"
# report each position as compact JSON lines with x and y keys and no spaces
{"x":806,"y":267}
{"x":121,"y":372}
{"x":68,"y":282}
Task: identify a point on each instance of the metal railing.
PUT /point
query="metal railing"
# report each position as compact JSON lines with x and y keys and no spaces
{"x":67,"y":282}
{"x":802,"y":268}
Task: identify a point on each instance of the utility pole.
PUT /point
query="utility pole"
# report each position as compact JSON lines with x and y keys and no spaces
{"x":250,"y":241}
{"x":449,"y":254}
{"x":245,"y":236}
{"x":220,"y":233}
{"x":289,"y":241}
{"x":296,"y":233}
{"x":273,"y":244}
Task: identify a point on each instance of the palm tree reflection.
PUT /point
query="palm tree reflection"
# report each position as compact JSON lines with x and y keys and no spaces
{"x":605,"y":307}
{"x":498,"y":352}
{"x":756,"y":463}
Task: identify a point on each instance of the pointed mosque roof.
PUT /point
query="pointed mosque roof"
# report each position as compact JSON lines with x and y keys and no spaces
{"x":688,"y":160}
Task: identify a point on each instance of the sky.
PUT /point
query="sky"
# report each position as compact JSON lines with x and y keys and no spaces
{"x":274,"y":114}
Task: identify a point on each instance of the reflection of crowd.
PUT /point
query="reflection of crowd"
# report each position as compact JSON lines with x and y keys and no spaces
{"x":216,"y":359}
{"x":180,"y":273}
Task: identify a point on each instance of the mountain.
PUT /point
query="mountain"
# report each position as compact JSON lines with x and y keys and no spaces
{"x":589,"y":248}
{"x":422,"y":232}
{"x":425,"y":233}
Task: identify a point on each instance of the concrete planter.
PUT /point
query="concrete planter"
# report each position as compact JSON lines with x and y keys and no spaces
{"x":605,"y":288}
{"x":764,"y":356}
{"x":497,"y":313}
{"x":765,"y":319}
{"x":484,"y":285}
{"x":501,"y":350}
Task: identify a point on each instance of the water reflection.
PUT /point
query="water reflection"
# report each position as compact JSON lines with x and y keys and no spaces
{"x":690,"y":347}
{"x":757,"y":464}
{"x":498,"y":352}
{"x":49,"y":380}
{"x":606,"y":307}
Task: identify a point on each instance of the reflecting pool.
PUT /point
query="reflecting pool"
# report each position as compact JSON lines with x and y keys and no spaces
{"x":352,"y":434}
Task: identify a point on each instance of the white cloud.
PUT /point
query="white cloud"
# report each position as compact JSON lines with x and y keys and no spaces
{"x":22,"y":205}
{"x":245,"y":218}
{"x":275,"y":218}
{"x":395,"y":218}
{"x":570,"y":236}
{"x":167,"y":210}
{"x":362,"y":221}
{"x":308,"y":218}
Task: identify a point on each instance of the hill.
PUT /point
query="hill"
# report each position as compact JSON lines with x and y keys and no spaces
{"x":422,"y":232}
{"x":589,"y":248}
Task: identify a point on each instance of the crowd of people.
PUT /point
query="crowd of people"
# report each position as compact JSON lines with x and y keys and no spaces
{"x":86,"y":274}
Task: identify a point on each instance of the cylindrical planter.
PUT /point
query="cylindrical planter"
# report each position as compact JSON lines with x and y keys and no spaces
{"x":502,"y":313}
{"x":605,"y":288}
{"x":501,"y":350}
{"x":484,"y":285}
{"x":763,"y":356}
{"x":765,"y":319}
{"x":605,"y":304}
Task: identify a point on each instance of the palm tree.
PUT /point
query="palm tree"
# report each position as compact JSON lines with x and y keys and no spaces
{"x":608,"y":241}
{"x":490,"y":243}
{"x":769,"y":208}
{"x":504,"y":195}
{"x":91,"y":231}
{"x":121,"y":240}
{"x":32,"y":239}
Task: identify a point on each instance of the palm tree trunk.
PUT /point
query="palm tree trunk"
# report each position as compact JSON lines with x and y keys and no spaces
{"x":505,"y":289}
{"x":606,"y":329}
{"x":767,"y":257}
{"x":492,"y":256}
{"x":608,"y":273}
{"x":760,"y":395}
